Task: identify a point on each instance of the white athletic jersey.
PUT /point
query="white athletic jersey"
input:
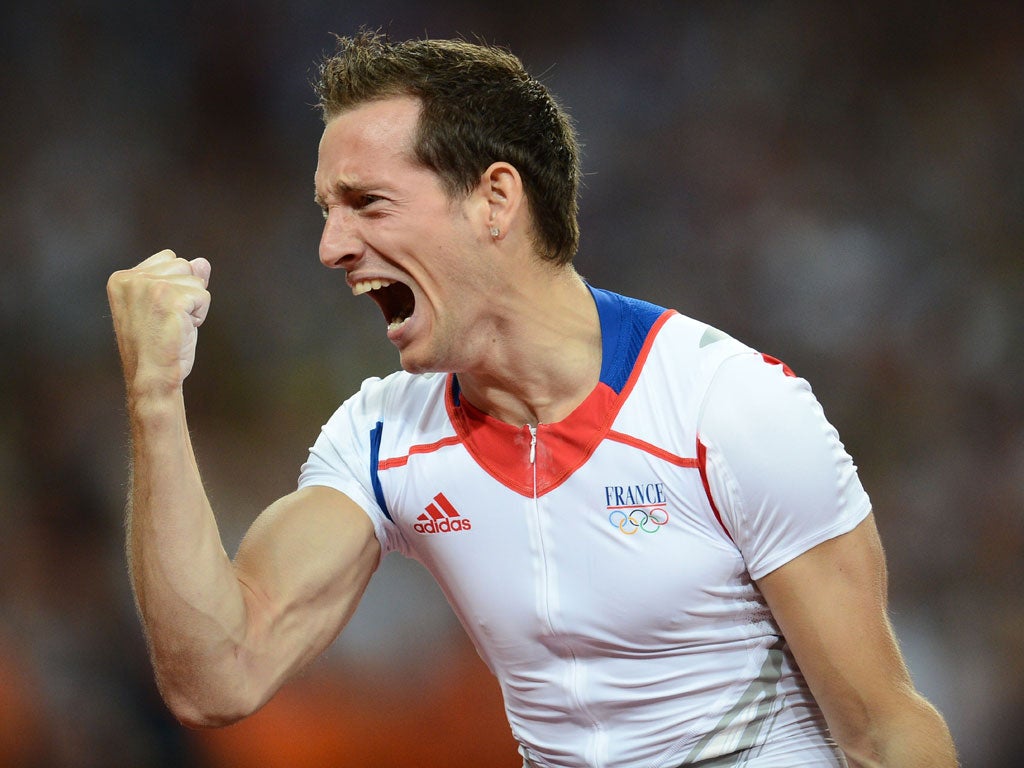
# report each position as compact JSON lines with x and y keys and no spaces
{"x":604,"y":566}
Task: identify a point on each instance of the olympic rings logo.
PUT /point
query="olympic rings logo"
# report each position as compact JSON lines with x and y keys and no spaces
{"x":648,"y":521}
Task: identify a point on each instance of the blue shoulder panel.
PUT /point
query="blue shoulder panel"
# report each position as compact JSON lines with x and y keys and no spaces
{"x":625,"y":324}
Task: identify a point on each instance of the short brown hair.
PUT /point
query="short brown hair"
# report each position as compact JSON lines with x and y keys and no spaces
{"x":479,"y":106}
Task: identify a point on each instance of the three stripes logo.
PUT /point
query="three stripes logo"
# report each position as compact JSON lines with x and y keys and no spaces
{"x":441,"y":517}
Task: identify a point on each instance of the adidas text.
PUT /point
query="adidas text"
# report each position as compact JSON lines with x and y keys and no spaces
{"x":443,"y":526}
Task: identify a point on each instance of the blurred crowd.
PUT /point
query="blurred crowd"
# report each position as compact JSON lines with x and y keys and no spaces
{"x":839,"y":185}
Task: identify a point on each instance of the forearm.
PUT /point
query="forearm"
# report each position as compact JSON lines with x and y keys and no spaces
{"x":914,"y":735}
{"x":830,"y":603}
{"x":191,"y":605}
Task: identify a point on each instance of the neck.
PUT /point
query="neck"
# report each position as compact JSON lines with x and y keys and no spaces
{"x":546,"y":357}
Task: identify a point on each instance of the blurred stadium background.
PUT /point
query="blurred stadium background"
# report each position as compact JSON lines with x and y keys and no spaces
{"x":840,"y":185}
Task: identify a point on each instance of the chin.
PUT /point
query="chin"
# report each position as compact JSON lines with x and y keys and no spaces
{"x":414,"y":364}
{"x":420,"y":357}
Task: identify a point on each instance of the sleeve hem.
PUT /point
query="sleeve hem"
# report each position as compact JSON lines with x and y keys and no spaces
{"x":842,"y":526}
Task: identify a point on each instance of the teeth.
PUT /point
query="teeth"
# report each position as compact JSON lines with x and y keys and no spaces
{"x":365,"y":286}
{"x":396,"y":324}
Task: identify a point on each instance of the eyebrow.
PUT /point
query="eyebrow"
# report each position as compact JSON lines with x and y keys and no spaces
{"x":341,"y":189}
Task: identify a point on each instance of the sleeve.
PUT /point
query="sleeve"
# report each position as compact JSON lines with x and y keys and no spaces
{"x":777,"y":472}
{"x":342,"y":454}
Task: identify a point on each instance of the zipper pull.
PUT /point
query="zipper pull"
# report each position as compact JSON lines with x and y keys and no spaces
{"x":533,"y":443}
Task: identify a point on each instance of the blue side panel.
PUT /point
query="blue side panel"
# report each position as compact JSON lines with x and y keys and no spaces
{"x":378,"y":492}
{"x":625,"y":324}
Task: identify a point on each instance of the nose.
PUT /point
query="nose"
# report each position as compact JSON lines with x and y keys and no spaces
{"x":340,"y":244}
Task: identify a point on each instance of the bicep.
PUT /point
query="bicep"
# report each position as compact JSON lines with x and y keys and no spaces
{"x":831,"y":605}
{"x":303,"y":566}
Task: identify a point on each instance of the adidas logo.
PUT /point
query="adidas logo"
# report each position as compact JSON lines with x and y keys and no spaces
{"x":441,"y":517}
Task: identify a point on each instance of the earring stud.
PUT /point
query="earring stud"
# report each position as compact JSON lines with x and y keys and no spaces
{"x":495,"y":231}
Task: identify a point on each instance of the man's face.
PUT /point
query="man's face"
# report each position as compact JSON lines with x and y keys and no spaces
{"x":392,"y":228}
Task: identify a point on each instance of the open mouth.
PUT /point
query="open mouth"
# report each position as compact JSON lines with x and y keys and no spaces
{"x":394,"y":299}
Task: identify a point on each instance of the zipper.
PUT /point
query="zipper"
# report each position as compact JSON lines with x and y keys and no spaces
{"x":597,"y":744}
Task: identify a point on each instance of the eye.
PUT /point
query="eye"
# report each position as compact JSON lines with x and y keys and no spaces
{"x":364,"y":201}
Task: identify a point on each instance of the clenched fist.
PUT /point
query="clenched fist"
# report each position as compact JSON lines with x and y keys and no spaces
{"x":157,"y":308}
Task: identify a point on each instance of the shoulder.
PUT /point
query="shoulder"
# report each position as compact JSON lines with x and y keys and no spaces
{"x":394,"y":395}
{"x":400,"y":400}
{"x":702,"y":340}
{"x":775,"y":465}
{"x":389,"y":414}
{"x":686,"y":354}
{"x":748,"y":389}
{"x":398,"y":384}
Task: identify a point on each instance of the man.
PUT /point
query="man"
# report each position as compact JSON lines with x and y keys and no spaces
{"x":650,"y":531}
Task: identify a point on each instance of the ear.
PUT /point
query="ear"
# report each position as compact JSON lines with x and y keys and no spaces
{"x":501,"y":192}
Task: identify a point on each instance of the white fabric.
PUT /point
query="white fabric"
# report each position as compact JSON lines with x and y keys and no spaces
{"x":771,"y":454}
{"x":619,"y":640}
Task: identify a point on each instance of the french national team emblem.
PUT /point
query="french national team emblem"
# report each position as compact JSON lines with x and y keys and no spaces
{"x":441,"y":517}
{"x":637,"y":508}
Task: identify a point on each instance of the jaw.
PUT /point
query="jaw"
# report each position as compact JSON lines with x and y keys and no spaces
{"x":425,"y":342}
